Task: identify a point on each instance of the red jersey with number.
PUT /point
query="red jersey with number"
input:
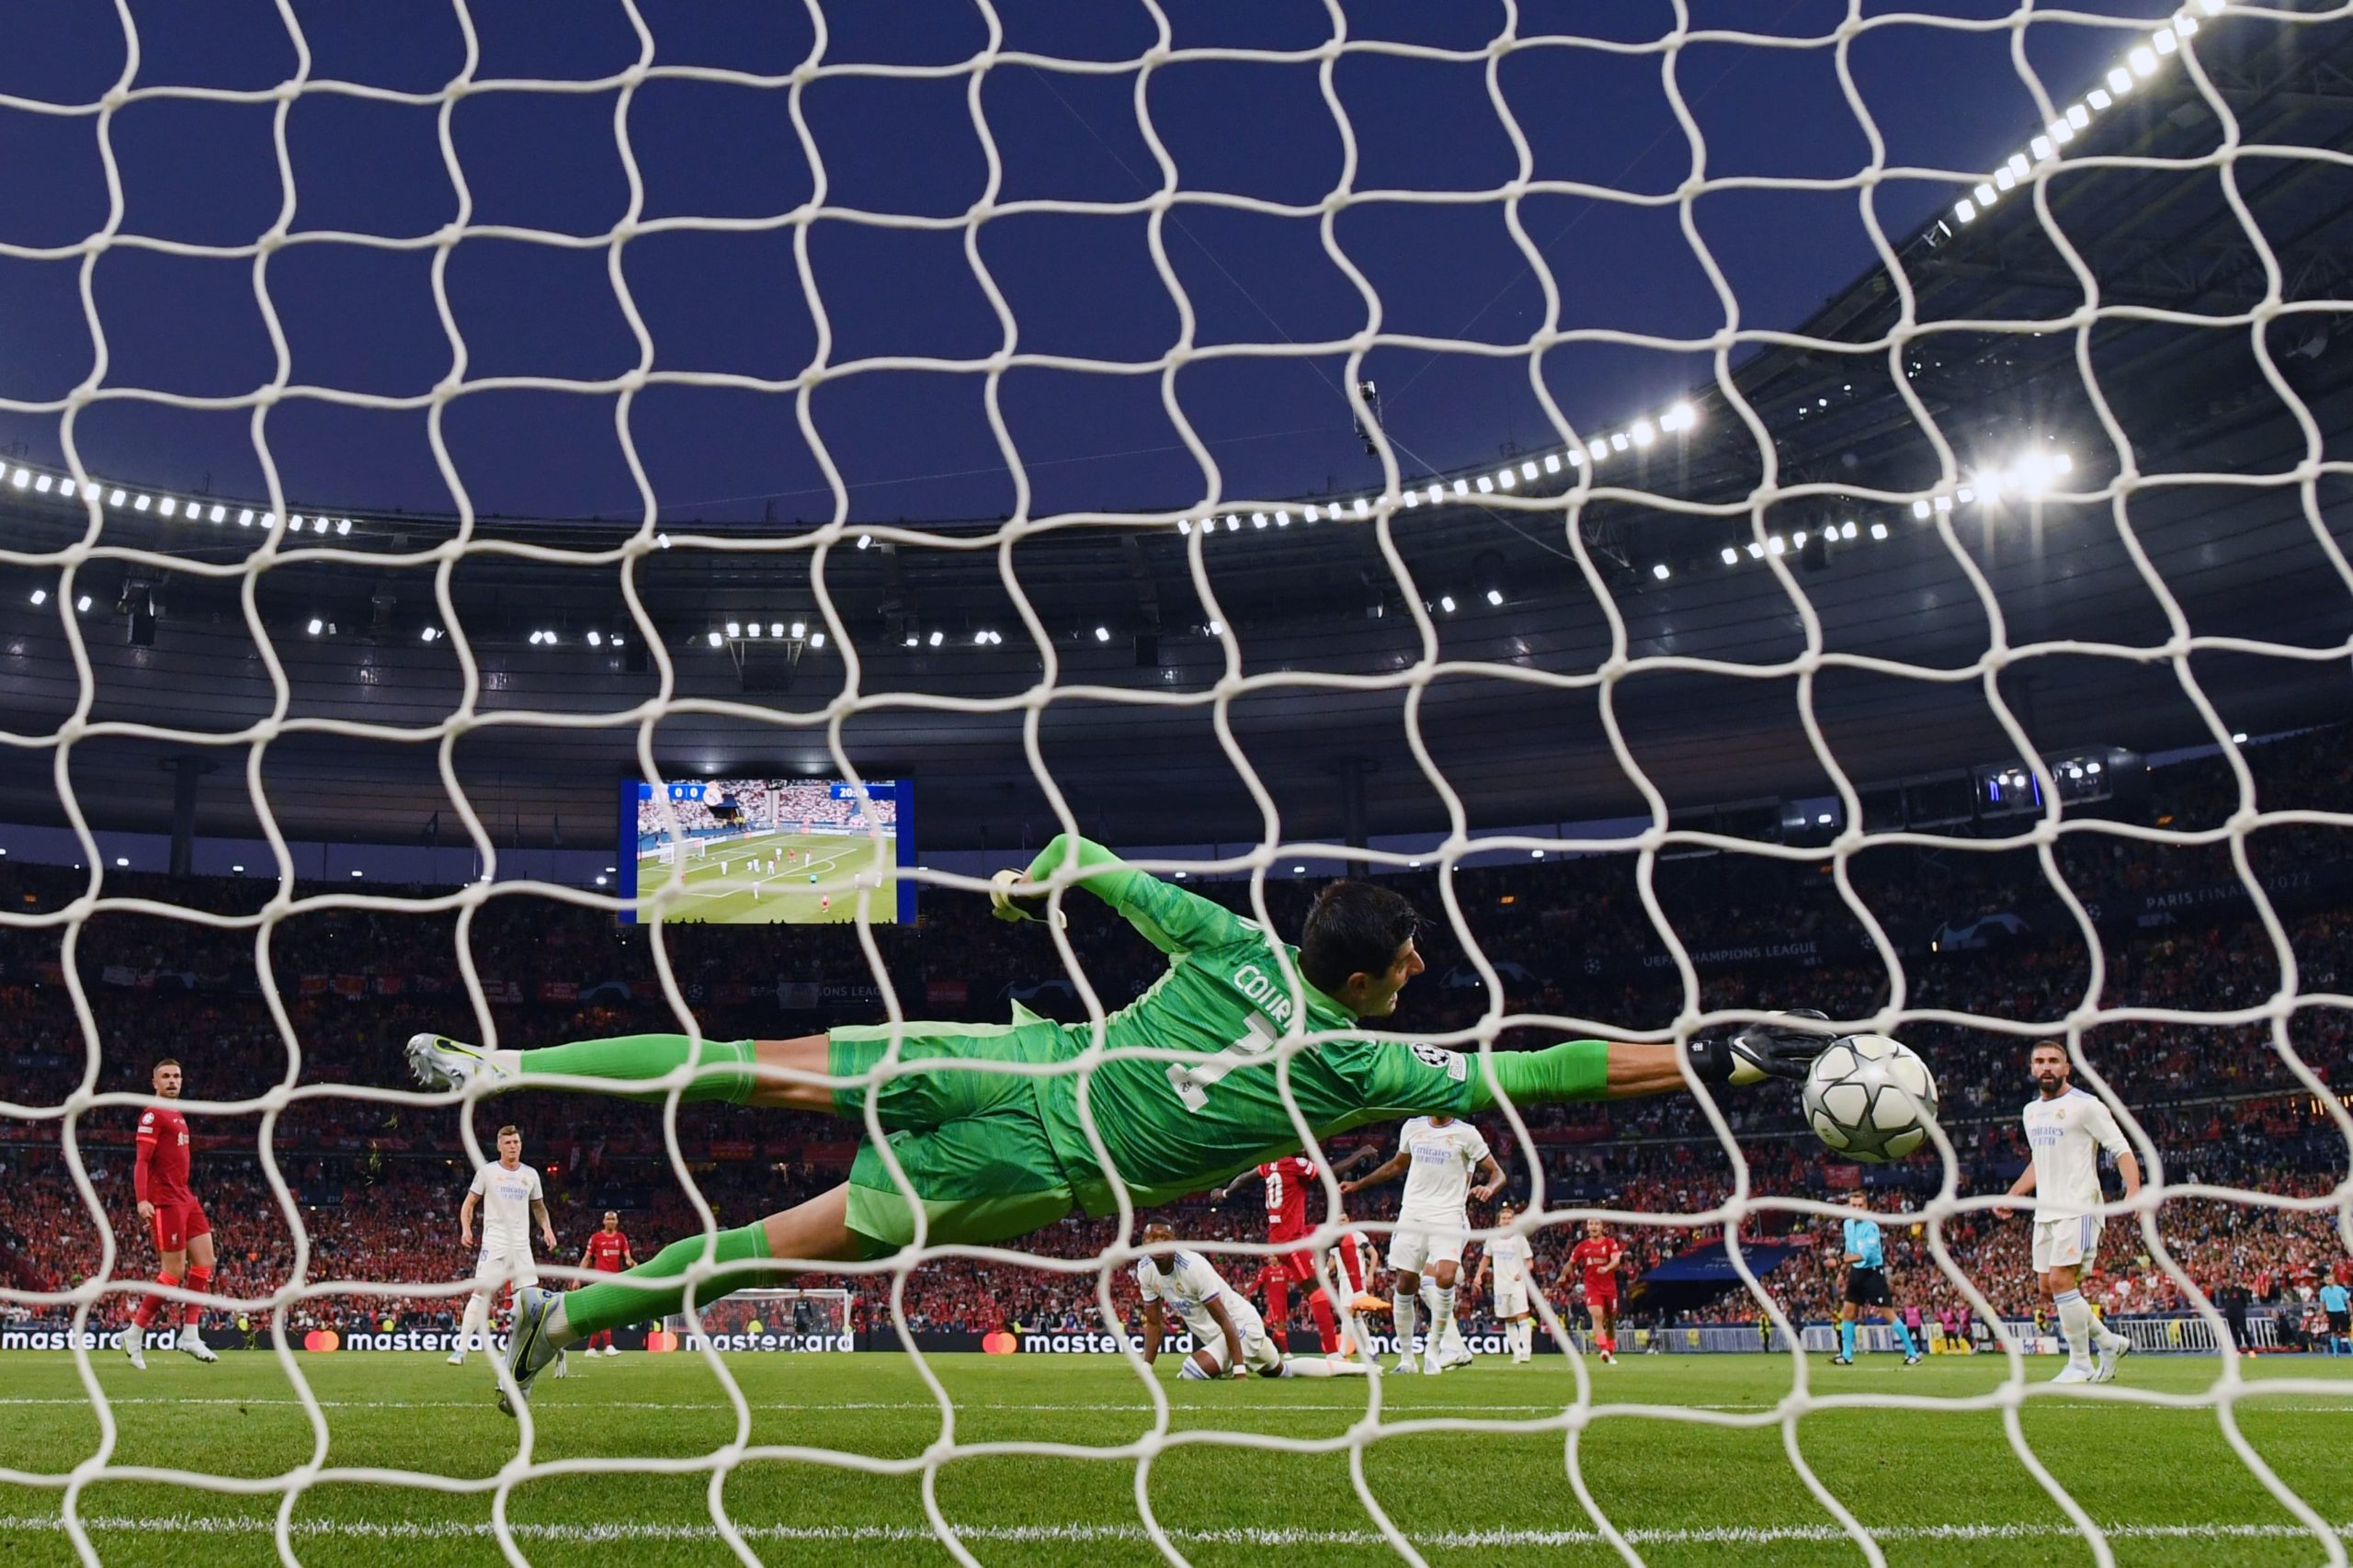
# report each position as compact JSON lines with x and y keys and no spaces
{"x":608,"y":1252}
{"x":1287,"y":1180}
{"x":1592,"y":1258}
{"x":159,"y":1173}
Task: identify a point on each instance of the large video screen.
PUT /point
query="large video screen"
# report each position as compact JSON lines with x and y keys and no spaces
{"x":769,"y":851}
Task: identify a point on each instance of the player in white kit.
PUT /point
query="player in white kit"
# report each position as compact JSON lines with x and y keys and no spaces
{"x":1433,"y":1227}
{"x":1505,"y":1261}
{"x":509,"y":1196}
{"x":1229,"y":1336}
{"x":2068,"y":1129}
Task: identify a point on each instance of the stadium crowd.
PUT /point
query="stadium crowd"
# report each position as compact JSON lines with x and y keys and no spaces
{"x":760,"y":806}
{"x":1979,"y":932}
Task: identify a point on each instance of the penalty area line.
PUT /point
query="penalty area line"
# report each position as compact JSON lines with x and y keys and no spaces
{"x":633,"y":1530}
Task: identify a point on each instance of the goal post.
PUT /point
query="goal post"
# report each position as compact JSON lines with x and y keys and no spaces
{"x":671,"y":851}
{"x":817,"y":1319}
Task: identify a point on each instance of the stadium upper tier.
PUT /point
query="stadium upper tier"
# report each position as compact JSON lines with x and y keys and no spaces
{"x":1308,"y":628}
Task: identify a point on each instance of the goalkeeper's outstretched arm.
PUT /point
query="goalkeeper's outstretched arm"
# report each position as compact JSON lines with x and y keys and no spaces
{"x":1170,"y":918}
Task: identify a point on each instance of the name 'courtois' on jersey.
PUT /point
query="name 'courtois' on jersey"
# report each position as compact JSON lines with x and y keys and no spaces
{"x":1172,"y":1128}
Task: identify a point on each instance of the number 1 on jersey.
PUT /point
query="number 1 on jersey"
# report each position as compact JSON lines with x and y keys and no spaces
{"x":1193,"y":1083}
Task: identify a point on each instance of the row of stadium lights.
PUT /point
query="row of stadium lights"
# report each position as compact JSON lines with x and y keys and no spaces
{"x":2139,"y":64}
{"x":168,"y":506}
{"x":2032,"y":476}
{"x":1640,"y":434}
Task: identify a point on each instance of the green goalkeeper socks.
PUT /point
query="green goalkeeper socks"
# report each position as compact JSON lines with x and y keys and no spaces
{"x":657,"y":1287}
{"x":1573,"y":1070}
{"x":724,"y":1069}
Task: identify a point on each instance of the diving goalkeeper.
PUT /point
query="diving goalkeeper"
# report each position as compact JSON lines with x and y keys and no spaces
{"x":994,"y":1155}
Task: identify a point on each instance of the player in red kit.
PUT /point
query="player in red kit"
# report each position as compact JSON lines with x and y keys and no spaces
{"x":1286,"y":1181}
{"x":607,"y":1253}
{"x":1596,"y":1261}
{"x":183,"y":1235}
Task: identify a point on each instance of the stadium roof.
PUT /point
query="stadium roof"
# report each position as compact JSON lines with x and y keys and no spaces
{"x":1513,"y":713}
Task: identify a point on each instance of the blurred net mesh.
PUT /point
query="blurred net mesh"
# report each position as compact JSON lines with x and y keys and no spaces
{"x":2152,"y":53}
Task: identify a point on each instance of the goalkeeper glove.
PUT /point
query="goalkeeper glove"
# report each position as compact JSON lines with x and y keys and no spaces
{"x":1782,"y":1047}
{"x":1005,"y":904}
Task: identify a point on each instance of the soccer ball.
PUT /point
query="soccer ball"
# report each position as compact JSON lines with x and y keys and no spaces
{"x":1870,"y":1098}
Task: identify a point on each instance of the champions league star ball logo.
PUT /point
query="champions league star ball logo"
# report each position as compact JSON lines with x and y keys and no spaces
{"x":1870,"y":1098}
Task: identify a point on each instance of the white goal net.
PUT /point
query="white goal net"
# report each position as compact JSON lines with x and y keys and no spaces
{"x":1789,"y":653}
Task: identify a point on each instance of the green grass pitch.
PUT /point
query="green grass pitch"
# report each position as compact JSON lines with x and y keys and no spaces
{"x":1939,"y":1487}
{"x":726,"y":888}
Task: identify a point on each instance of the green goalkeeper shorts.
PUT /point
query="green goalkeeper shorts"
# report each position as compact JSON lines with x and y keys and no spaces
{"x":972,"y":1143}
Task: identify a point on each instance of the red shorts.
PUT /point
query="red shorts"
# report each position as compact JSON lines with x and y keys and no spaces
{"x":1601,"y":1295}
{"x":179,"y":1220}
{"x":1299,"y":1267}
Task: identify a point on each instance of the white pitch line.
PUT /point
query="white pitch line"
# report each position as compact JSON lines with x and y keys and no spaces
{"x":632,"y":1530}
{"x":1401,"y":1412}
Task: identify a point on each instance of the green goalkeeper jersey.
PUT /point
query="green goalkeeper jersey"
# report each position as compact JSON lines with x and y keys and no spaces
{"x":1177,"y":1127}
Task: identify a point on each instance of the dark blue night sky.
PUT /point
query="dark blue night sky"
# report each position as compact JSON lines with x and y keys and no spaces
{"x":917,"y":444}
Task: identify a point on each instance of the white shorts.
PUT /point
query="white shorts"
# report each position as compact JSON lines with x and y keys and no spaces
{"x":1411,"y":1249}
{"x":507,"y":1265}
{"x":2064,"y":1243}
{"x":1257,"y":1350}
{"x":1511,"y":1296}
